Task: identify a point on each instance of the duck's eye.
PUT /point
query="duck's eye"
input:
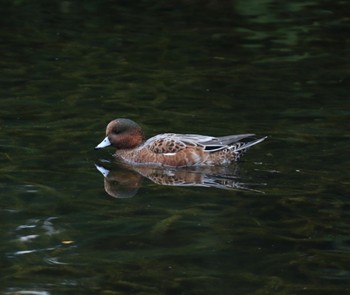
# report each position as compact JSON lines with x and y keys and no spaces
{"x":118,"y":131}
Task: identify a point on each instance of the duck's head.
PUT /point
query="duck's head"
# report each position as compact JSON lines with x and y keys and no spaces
{"x":122,"y":134}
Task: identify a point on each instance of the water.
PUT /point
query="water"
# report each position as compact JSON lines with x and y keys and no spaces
{"x":216,"y":68}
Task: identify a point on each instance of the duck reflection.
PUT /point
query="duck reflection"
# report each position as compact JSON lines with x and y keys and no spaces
{"x":123,"y":181}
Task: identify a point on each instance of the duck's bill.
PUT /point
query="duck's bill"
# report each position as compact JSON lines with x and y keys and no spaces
{"x":103,"y":144}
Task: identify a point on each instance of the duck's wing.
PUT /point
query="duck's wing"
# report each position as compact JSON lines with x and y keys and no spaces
{"x":229,"y":139}
{"x":172,"y":143}
{"x":168,"y":143}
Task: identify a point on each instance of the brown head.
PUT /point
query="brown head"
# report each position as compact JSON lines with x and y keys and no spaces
{"x":122,"y":134}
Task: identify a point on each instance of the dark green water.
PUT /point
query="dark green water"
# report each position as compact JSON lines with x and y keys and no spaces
{"x":208,"y":67}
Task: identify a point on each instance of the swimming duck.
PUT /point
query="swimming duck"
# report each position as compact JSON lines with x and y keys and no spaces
{"x":173,"y":150}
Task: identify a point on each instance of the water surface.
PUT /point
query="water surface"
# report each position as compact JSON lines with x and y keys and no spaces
{"x":204,"y":67}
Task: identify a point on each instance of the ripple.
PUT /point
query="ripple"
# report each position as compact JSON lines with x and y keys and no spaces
{"x":28,"y":238}
{"x":54,"y":261}
{"x":25,"y":226}
{"x":23,"y":252}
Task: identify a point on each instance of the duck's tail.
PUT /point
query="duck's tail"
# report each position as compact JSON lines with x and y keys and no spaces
{"x":243,"y":146}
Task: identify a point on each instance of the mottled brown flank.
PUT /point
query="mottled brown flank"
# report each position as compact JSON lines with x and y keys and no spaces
{"x":161,"y":146}
{"x":186,"y":157}
{"x":172,"y":153}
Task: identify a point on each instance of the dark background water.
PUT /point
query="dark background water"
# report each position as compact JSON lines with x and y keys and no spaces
{"x":210,"y":67}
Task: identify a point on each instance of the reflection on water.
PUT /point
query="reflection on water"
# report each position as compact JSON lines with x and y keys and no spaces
{"x":120,"y":183}
{"x":123,"y":181}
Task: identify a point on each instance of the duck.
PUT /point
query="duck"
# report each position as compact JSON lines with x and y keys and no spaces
{"x":172,"y":149}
